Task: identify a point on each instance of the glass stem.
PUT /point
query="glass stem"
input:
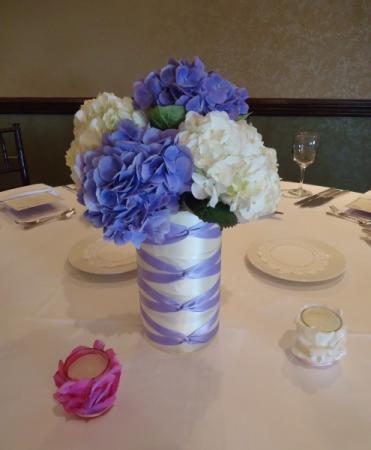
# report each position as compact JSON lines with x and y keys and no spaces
{"x":302,"y":171}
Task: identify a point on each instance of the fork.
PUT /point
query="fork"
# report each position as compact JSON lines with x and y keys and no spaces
{"x":70,"y":187}
{"x":64,"y":215}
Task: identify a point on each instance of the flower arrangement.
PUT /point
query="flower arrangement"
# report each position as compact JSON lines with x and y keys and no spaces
{"x":190,"y":86}
{"x":96,"y":117}
{"x":181,"y":142}
{"x":133,"y":181}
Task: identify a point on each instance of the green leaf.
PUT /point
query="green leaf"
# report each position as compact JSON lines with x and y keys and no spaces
{"x":243,"y":116}
{"x":164,"y":117}
{"x":220,"y":214}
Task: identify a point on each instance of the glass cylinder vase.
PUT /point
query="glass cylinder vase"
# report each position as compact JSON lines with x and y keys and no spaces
{"x":179,"y":285}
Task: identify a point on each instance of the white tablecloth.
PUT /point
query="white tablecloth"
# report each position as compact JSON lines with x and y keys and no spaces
{"x":242,"y":392}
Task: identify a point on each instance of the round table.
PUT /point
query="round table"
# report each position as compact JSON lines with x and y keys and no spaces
{"x":242,"y":392}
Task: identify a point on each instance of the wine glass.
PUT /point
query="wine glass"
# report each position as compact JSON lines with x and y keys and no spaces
{"x":304,"y":152}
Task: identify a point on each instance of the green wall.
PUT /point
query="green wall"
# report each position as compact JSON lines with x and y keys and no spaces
{"x":345,"y":149}
{"x":344,"y":160}
{"x":45,"y":140}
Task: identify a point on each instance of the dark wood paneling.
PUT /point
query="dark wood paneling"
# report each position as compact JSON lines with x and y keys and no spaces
{"x":309,"y":107}
{"x":259,"y":106}
{"x":40,"y":105}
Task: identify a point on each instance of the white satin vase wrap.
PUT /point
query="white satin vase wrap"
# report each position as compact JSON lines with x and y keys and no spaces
{"x":171,"y":320}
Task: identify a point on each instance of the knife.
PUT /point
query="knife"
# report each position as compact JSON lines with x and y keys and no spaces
{"x":324,"y":199}
{"x":313,"y":197}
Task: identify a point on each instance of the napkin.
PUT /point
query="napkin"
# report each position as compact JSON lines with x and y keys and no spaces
{"x":362,"y":204}
{"x":24,"y":190}
{"x":51,"y":203}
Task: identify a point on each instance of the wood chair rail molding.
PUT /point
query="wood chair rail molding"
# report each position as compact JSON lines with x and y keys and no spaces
{"x":259,"y":106}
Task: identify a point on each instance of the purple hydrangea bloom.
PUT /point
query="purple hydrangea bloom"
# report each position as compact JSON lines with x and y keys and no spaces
{"x":189,"y":85}
{"x":132,"y":183}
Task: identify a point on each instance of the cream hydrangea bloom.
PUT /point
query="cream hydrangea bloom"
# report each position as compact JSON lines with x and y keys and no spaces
{"x":96,"y":117}
{"x":231,"y":164}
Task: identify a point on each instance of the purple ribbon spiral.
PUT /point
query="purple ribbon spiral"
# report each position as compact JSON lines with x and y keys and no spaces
{"x":167,"y":336}
{"x":170,"y":272}
{"x":179,"y":232}
{"x":163,"y":273}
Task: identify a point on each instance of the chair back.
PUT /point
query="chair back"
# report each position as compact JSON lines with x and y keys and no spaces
{"x":15,"y":161}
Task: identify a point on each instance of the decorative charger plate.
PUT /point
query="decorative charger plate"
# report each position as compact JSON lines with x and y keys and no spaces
{"x":95,"y":255}
{"x":297,"y":259}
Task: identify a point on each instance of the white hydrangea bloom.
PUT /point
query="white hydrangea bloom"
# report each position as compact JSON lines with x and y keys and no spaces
{"x":96,"y":117}
{"x":231,"y":164}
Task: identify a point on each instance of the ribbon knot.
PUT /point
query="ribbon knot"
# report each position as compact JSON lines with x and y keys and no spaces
{"x":166,"y":336}
{"x":157,"y":301}
{"x":179,"y":232}
{"x":152,"y":269}
{"x":169,"y":273}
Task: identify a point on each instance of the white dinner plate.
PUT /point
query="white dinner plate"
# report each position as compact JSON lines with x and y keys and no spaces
{"x":95,"y":255}
{"x":297,"y":259}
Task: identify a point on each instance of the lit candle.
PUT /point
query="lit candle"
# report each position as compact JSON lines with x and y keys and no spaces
{"x":88,"y":366}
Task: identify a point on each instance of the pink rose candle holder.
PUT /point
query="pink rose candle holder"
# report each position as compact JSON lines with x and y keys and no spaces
{"x":88,"y":380}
